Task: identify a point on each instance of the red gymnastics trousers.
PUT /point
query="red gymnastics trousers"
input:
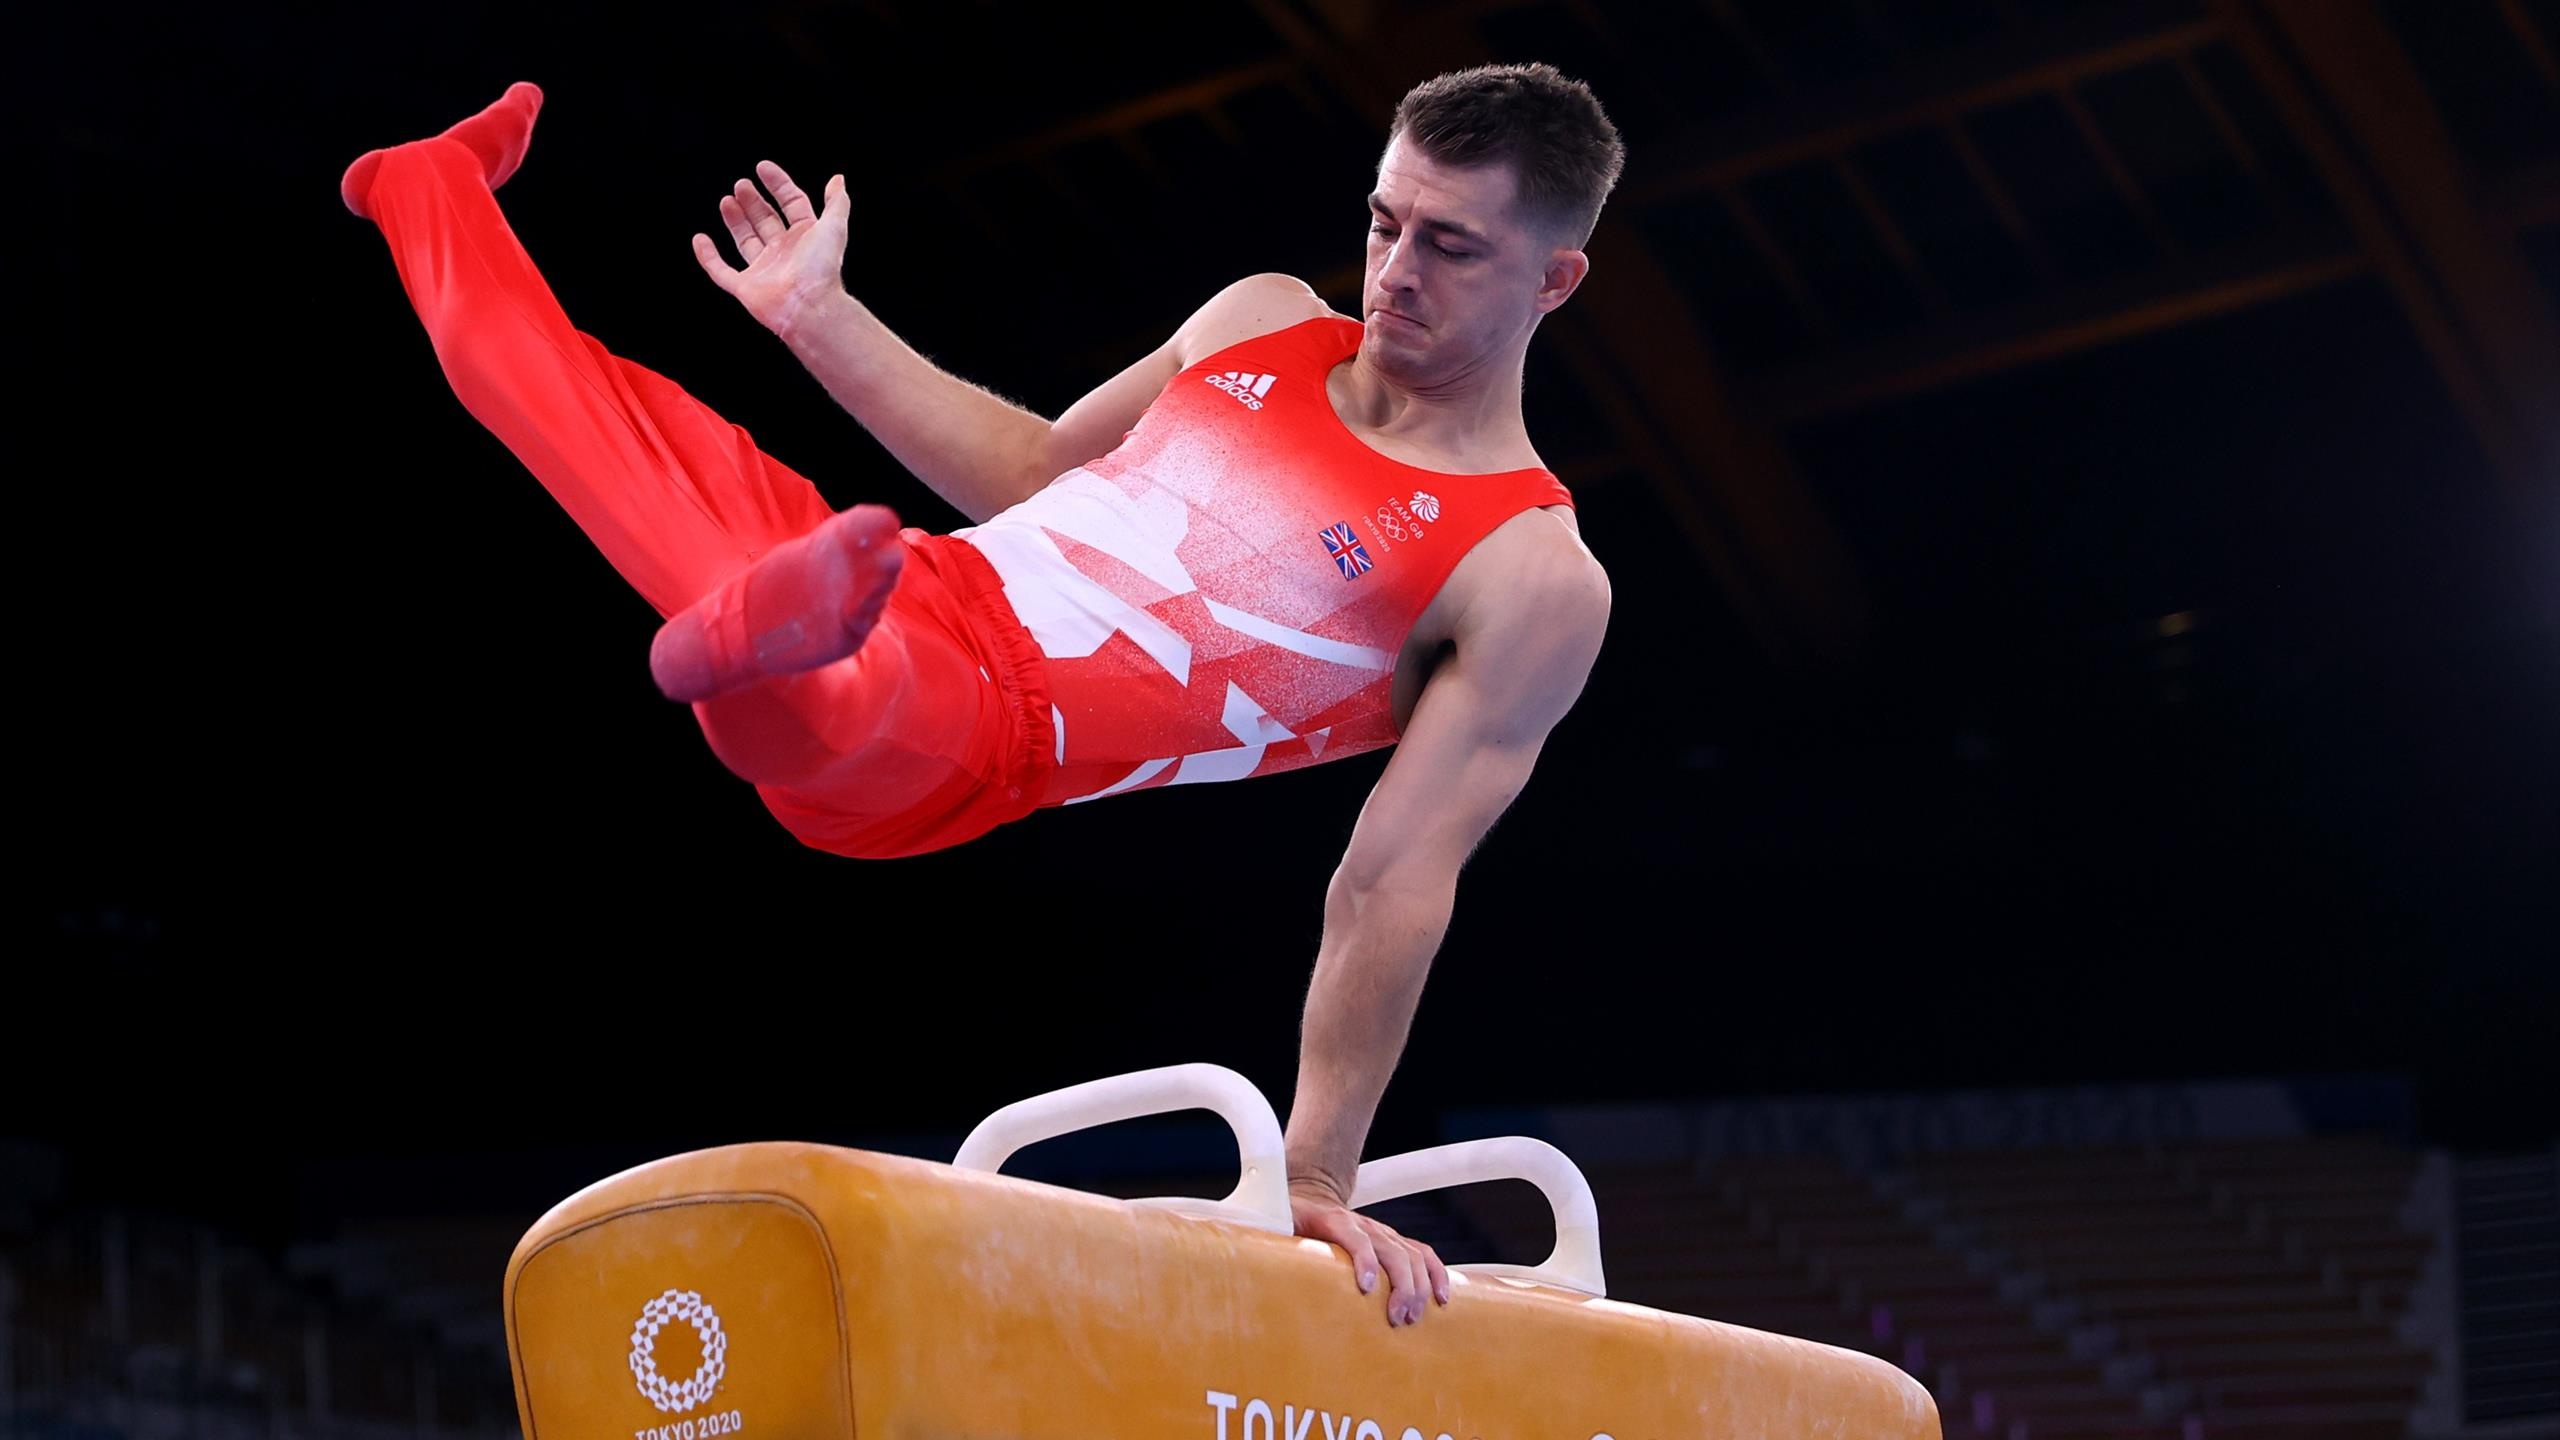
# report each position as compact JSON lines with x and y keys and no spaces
{"x":934,"y":732}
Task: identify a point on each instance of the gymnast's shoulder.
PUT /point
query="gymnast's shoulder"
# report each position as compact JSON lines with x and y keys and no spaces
{"x":1255,"y":305}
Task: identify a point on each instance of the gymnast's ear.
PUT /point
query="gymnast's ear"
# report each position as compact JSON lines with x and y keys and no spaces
{"x":1561,"y":277}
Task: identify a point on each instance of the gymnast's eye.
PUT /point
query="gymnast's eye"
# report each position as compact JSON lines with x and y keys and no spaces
{"x":1379,"y":228}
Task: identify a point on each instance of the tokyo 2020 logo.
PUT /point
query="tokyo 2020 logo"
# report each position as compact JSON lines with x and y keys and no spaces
{"x":678,"y":1307}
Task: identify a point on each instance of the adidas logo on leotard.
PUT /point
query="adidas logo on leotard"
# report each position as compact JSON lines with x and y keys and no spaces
{"x":1248,"y":388}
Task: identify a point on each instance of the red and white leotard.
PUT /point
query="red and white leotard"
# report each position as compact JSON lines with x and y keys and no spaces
{"x":1225,"y":594}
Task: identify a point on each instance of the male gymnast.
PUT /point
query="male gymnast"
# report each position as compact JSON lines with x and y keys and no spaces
{"x":1285,"y":536}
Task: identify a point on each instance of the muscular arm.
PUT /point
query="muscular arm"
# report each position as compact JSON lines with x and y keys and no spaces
{"x":1523,"y":653}
{"x":975,"y":449}
{"x":984,"y":453}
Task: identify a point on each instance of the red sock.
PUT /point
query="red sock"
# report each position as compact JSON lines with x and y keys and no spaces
{"x":497,"y":135}
{"x":807,"y":603}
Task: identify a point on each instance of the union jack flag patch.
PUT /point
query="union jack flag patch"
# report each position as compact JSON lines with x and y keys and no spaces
{"x":1349,"y":555}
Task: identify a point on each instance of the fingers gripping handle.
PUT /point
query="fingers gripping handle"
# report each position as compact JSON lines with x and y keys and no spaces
{"x":1261,"y":1196}
{"x":1575,"y":1265}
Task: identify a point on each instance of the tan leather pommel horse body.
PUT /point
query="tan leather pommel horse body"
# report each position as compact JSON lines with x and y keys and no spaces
{"x":808,"y":1292}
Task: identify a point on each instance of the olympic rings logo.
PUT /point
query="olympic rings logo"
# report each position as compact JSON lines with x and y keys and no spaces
{"x":1387,"y":522}
{"x":686,"y":1307}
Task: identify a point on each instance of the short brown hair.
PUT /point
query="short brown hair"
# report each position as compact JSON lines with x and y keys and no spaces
{"x":1549,"y":129}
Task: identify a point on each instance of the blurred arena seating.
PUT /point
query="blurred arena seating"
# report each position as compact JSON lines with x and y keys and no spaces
{"x":118,"y":1326}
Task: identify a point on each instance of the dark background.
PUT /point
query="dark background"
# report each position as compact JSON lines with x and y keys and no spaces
{"x":361,"y":835}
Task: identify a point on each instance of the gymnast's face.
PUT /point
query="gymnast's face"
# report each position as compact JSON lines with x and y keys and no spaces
{"x":1456,"y":279}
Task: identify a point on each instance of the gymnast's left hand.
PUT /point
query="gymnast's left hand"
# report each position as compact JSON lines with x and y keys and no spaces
{"x":1316,"y":1206}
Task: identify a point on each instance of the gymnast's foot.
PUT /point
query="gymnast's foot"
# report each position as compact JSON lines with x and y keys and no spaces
{"x":810,"y":601}
{"x":498,"y":135}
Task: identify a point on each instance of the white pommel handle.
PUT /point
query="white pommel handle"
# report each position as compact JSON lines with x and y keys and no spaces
{"x":1261,"y":1196}
{"x":1575,"y":1265}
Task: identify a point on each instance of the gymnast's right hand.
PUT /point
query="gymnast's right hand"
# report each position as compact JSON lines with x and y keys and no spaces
{"x":794,"y":255}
